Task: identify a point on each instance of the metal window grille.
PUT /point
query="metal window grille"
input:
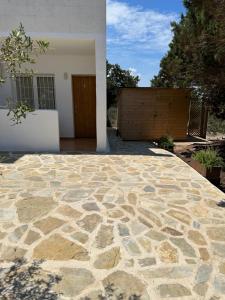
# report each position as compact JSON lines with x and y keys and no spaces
{"x":46,"y":92}
{"x":25,"y":90}
{"x":37,"y":91}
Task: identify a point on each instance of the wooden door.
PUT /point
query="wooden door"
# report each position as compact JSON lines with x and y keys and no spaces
{"x":84,"y":99}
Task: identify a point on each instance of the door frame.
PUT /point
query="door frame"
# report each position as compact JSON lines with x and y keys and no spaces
{"x":74,"y":117}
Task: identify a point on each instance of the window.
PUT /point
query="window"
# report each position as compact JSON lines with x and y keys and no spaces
{"x":24,"y":89}
{"x":46,"y":92}
{"x":38,"y":90}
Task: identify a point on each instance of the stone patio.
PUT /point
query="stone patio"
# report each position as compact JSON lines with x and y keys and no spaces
{"x":148,"y":223}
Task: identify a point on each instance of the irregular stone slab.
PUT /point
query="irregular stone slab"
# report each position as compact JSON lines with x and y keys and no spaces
{"x":146,"y":262}
{"x":80,"y":236}
{"x":90,"y":222}
{"x":48,"y":224}
{"x":172,"y":231}
{"x":12,"y":253}
{"x":129,"y":263}
{"x":146,"y":223}
{"x":155,"y":235}
{"x":109,"y":205}
{"x":167,"y":253}
{"x":94,"y":295}
{"x":173,"y":290}
{"x":150,"y":216}
{"x":16,"y":235}
{"x":215,"y":298}
{"x":2,"y":235}
{"x":180,"y":216}
{"x":105,"y":236}
{"x":201,"y":289}
{"x":196,"y":237}
{"x":68,"y":211}
{"x":218,"y":249}
{"x":32,"y":236}
{"x":129,"y":209}
{"x":90,"y":206}
{"x":184,"y":246}
{"x":145,"y":243}
{"x":203,"y":273}
{"x":149,"y":189}
{"x":199,"y":211}
{"x":77,"y":195}
{"x":216,"y":233}
{"x":74,"y":281}
{"x":168,"y":187}
{"x":126,"y":284}
{"x":58,"y":248}
{"x":7,"y":214}
{"x":67,"y":228}
{"x":108,"y":259}
{"x":131,"y":247}
{"x":123,"y":230}
{"x":204,"y":254}
{"x":132,"y":198}
{"x":219,"y":284}
{"x":222,"y":268}
{"x":115,"y":214}
{"x":190,"y":261}
{"x":125,"y":220}
{"x":168,"y":272}
{"x":137,"y":227}
{"x":33,"y":208}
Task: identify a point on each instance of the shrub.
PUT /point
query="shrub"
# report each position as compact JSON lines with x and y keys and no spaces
{"x":215,"y":125}
{"x":166,"y":142}
{"x":209,"y":158}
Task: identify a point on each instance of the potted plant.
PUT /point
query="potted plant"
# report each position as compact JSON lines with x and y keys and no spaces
{"x":208,"y":163}
{"x":167,"y":143}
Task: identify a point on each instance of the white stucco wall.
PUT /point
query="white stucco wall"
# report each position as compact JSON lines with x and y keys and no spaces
{"x":67,"y":21}
{"x":72,"y":65}
{"x":35,"y":133}
{"x":54,"y":16}
{"x":58,"y":65}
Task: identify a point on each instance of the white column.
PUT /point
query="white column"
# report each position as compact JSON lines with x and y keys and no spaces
{"x":101,"y":105}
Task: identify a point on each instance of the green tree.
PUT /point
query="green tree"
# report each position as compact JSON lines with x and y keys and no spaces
{"x":196,"y":58}
{"x":118,"y":78}
{"x":18,"y":52}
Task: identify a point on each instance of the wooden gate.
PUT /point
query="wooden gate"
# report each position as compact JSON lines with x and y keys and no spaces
{"x":198,"y":119}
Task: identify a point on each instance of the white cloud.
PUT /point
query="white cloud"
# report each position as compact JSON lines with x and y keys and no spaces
{"x":134,"y":72}
{"x":133,"y":26}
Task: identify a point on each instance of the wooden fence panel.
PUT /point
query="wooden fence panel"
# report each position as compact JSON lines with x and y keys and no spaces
{"x":150,"y":113}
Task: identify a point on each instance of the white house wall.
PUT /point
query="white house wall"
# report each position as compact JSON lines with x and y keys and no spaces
{"x":71,"y":65}
{"x":35,"y":133}
{"x":65,"y":21}
{"x":54,"y":16}
{"x":59,"y":65}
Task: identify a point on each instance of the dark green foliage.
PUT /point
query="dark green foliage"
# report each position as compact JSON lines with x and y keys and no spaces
{"x":24,"y":281}
{"x":209,"y":158}
{"x":17,"y":51}
{"x":215,"y":125}
{"x":166,"y":143}
{"x":118,"y":78}
{"x":18,"y":111}
{"x":196,"y":58}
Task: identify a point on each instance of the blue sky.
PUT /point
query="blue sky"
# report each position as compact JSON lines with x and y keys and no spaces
{"x":139,"y":33}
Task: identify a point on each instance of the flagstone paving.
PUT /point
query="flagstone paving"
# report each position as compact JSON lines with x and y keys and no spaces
{"x":148,"y":224}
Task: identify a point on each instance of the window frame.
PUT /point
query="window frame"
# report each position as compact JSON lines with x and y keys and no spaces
{"x":35,"y":89}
